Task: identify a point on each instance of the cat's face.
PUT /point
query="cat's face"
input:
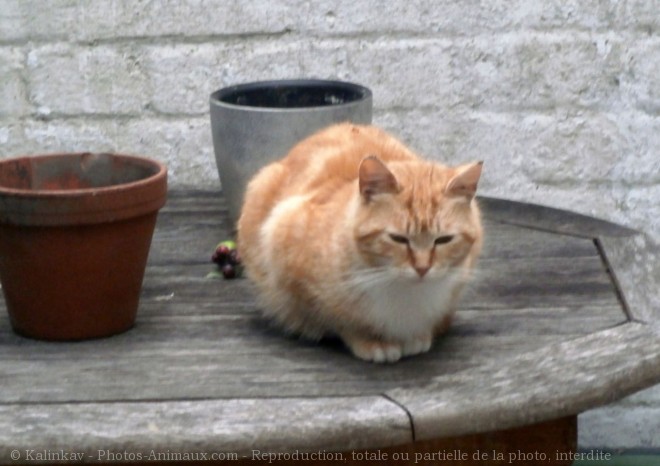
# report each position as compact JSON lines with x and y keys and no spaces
{"x":418,"y":220}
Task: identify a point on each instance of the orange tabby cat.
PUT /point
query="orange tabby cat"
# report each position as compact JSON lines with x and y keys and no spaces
{"x":353,"y":235}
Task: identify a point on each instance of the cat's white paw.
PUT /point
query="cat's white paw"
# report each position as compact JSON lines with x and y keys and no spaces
{"x":375,"y":350}
{"x":417,"y":345}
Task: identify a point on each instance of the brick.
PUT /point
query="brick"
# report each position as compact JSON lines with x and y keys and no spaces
{"x":645,"y":397}
{"x":431,"y":133}
{"x":33,"y":137}
{"x":638,"y":206}
{"x":182,"y":76}
{"x":642,"y":79}
{"x":13,"y":93}
{"x":127,"y":18}
{"x":350,"y":17}
{"x":522,"y":71}
{"x":452,"y":18}
{"x":453,"y":137}
{"x":638,"y":162}
{"x":70,"y":79}
{"x":184,"y":145}
{"x":22,"y":20}
{"x":405,"y":73}
{"x":522,"y":154}
{"x":501,"y":140}
{"x":74,"y":135}
{"x":11,"y":20}
{"x":12,"y":138}
{"x":618,"y":428}
{"x":35,"y":19}
{"x":566,"y":14}
{"x":460,"y":136}
{"x":573,"y":149}
{"x":400,"y":73}
{"x":641,"y":15}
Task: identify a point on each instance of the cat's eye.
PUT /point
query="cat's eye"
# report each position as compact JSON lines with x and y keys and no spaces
{"x":444,"y":239}
{"x":399,"y":239}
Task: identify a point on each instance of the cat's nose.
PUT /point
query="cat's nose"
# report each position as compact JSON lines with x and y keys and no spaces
{"x":421,"y":271}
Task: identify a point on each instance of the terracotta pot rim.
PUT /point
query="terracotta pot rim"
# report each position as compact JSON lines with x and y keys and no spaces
{"x":87,"y":205}
{"x":69,"y":193}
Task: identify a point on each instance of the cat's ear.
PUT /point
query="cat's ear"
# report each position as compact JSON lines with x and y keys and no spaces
{"x":375,"y":178}
{"x":464,"y":183}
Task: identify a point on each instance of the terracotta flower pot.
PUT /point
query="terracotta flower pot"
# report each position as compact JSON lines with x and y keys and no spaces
{"x":75,"y":233}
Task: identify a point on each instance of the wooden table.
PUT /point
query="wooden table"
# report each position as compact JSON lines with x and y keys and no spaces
{"x":563,"y":317}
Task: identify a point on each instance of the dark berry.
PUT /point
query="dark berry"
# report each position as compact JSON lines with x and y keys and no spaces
{"x":228,"y":271}
{"x":234,"y":257}
{"x":221,"y":254}
{"x":228,"y":259}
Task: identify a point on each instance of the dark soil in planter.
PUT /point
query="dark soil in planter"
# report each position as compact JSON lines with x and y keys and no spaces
{"x":292,"y":96}
{"x":86,"y":171}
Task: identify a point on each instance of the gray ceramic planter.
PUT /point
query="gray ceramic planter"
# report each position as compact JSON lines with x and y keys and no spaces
{"x":256,"y":123}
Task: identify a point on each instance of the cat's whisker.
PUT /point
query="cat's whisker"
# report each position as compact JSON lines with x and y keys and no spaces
{"x":365,"y":278}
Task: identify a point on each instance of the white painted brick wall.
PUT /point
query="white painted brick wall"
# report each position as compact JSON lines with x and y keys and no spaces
{"x":66,"y":79}
{"x":13,"y":102}
{"x":561,"y":98}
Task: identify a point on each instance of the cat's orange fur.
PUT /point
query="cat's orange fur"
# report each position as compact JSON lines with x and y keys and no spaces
{"x":316,"y":237}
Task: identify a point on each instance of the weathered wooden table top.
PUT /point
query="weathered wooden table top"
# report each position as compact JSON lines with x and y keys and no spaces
{"x":563,"y":316}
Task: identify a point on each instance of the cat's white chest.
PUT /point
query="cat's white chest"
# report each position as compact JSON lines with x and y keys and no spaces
{"x":408,"y":308}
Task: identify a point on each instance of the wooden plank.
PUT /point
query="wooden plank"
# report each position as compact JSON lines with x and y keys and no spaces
{"x":514,"y":283}
{"x":211,"y":322}
{"x":236,"y":427}
{"x":549,"y":219}
{"x":190,"y":236}
{"x":148,"y":375}
{"x":511,"y":241}
{"x":635,"y":266}
{"x":555,"y":380}
{"x":186,"y":238}
{"x":553,"y":279}
{"x":542,"y":321}
{"x":500,"y":210}
{"x":545,"y":270}
{"x":195,"y":200}
{"x":176,"y":227}
{"x":253,"y":365}
{"x":201,"y":323}
{"x":250,"y":335}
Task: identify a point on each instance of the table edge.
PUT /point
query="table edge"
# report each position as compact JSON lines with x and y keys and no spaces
{"x":597,"y":369}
